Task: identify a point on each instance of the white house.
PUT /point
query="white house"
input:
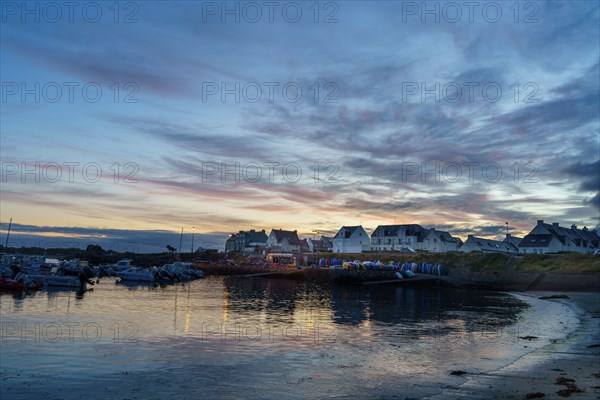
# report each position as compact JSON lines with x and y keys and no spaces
{"x":280,"y":240}
{"x":398,"y":237}
{"x":351,"y":239}
{"x":440,"y":241}
{"x":321,"y":245}
{"x":546,"y":238}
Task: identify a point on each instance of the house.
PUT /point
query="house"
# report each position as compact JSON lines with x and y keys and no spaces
{"x":515,"y":241}
{"x":280,"y":240}
{"x":437,"y":241}
{"x":487,"y":246}
{"x":553,"y":238}
{"x":398,"y":237}
{"x":351,"y":239}
{"x":246,"y":241}
{"x":324,"y":244}
{"x":230,"y":243}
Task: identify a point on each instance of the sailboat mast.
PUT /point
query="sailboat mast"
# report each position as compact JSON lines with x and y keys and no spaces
{"x":8,"y":234}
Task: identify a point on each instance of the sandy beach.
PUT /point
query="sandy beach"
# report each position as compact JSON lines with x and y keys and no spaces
{"x":567,"y":368}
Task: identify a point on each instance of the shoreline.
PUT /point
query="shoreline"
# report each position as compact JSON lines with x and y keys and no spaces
{"x":507,"y":281}
{"x":564,"y":368}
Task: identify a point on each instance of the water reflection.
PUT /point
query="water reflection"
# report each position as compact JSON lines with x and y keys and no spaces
{"x":267,"y":333}
{"x":357,"y":304}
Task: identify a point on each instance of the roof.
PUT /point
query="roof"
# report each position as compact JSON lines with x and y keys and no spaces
{"x":515,"y":241}
{"x":346,"y":231}
{"x":280,"y":234}
{"x":410,"y":229}
{"x":536,"y":240}
{"x":490,"y":244}
{"x":445,"y":236}
{"x":321,"y":244}
{"x":580,"y":237}
{"x":256,"y":237}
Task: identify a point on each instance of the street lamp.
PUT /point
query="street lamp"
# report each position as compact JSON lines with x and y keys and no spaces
{"x":193,"y":231}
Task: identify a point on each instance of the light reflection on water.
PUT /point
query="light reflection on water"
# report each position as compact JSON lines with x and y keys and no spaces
{"x":239,"y":337}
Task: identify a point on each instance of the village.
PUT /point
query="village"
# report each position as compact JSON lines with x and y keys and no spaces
{"x":281,"y":244}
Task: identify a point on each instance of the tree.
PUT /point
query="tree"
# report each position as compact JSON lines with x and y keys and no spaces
{"x":171,"y":249}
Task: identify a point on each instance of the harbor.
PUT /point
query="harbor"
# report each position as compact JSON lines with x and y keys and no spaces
{"x":148,"y":341}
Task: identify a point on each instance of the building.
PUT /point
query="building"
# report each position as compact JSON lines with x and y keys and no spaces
{"x":325,"y":244}
{"x":351,"y":239}
{"x":515,"y":241}
{"x":398,"y":237}
{"x":440,"y":241}
{"x":251,"y":241}
{"x":230,"y":243}
{"x":487,"y":246}
{"x":282,"y":241}
{"x":553,"y":238}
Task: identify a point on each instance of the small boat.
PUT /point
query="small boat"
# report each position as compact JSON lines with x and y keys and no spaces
{"x":136,"y":275}
{"x":12,"y":284}
{"x":122,"y":265}
{"x":64,"y":281}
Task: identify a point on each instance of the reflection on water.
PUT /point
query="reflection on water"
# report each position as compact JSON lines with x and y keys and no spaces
{"x":232,"y":337}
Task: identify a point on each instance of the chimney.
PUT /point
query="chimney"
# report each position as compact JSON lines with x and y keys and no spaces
{"x":263,"y":231}
{"x":540,"y":221}
{"x":508,"y":235}
{"x":573,"y":226}
{"x":295,"y":231}
{"x":555,"y":224}
{"x":469,"y":237}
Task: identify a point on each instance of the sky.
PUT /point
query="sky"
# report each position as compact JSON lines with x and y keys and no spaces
{"x":124,"y":122}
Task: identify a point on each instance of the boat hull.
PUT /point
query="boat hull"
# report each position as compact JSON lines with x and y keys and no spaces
{"x":136,"y":276}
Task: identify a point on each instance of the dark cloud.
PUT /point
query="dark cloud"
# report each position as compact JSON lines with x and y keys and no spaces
{"x":589,"y":176}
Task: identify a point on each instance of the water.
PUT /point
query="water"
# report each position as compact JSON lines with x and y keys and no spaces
{"x":262,"y":338}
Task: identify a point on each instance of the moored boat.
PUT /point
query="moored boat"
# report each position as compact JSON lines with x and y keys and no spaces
{"x":136,"y":275}
{"x":14,"y":285}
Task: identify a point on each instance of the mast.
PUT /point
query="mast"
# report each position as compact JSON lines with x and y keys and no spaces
{"x":8,"y":234}
{"x":180,"y":241}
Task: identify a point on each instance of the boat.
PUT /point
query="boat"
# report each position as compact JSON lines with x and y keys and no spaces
{"x":136,"y":275}
{"x":122,"y":265}
{"x":64,"y":281}
{"x":13,"y":284}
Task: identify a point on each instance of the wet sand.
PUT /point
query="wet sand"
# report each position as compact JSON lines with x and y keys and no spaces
{"x":567,"y":368}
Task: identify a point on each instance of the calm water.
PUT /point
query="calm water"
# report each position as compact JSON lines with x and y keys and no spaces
{"x":260,"y":338}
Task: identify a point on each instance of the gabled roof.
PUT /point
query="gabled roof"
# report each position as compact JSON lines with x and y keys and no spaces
{"x":580,"y":237}
{"x":445,"y":236}
{"x":515,"y":241}
{"x":346,"y":231}
{"x":256,"y":237}
{"x":281,"y":234}
{"x":490,"y":244}
{"x":536,"y":240}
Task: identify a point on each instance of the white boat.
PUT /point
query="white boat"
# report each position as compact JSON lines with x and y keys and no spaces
{"x":122,"y":265}
{"x":58,"y":280}
{"x":136,"y":275}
